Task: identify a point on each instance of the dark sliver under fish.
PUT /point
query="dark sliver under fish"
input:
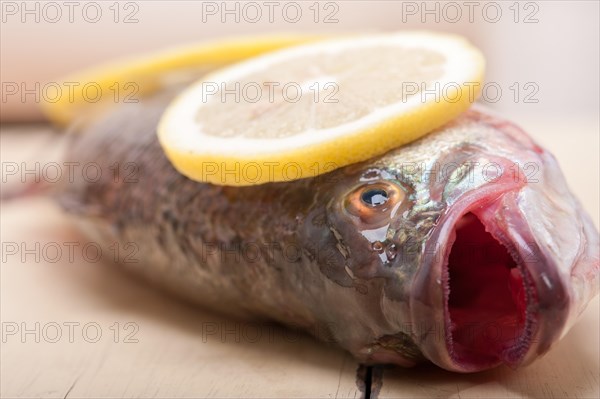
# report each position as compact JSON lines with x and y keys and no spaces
{"x":465,"y":248}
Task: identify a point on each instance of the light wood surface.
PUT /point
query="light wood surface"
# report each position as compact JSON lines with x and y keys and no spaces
{"x":166,"y":348}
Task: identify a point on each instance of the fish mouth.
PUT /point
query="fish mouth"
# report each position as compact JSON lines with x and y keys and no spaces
{"x":489,"y":303}
{"x":487,"y":294}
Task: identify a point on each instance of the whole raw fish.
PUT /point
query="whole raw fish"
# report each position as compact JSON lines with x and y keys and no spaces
{"x":465,"y":248}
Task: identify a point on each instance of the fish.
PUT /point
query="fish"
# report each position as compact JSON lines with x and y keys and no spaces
{"x":464,"y":248}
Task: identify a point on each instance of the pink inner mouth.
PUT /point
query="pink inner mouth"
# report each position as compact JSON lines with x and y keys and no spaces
{"x":485,"y":297}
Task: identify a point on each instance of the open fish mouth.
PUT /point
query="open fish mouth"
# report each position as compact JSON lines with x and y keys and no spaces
{"x":486,"y":297}
{"x":487,"y":294}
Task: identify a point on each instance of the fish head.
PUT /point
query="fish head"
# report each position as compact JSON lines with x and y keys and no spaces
{"x":482,"y":254}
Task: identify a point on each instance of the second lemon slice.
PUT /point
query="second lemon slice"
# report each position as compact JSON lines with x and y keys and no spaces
{"x":128,"y":80}
{"x":309,"y":109}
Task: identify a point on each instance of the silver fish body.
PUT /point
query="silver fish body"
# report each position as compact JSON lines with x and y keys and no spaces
{"x":465,"y":247}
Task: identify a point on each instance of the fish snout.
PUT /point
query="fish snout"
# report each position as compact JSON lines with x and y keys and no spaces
{"x":487,"y":293}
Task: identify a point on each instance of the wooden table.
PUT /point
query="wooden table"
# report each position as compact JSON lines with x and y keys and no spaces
{"x":152,"y":345}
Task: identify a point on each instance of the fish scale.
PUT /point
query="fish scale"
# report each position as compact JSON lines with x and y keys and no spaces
{"x":313,"y":267}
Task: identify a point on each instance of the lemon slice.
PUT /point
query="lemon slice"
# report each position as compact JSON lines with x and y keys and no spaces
{"x":359,"y":97}
{"x":128,"y":80}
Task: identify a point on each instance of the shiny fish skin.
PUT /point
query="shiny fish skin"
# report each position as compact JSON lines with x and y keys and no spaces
{"x":309,"y":254}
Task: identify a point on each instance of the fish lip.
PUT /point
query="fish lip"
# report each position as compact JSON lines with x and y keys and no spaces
{"x":547,"y":301}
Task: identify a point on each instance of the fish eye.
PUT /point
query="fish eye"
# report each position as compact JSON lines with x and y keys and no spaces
{"x":374,"y":196}
{"x":372,"y":203}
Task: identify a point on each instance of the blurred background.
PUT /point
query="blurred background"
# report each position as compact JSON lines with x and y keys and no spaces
{"x":542,"y":72}
{"x":552,"y":44}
